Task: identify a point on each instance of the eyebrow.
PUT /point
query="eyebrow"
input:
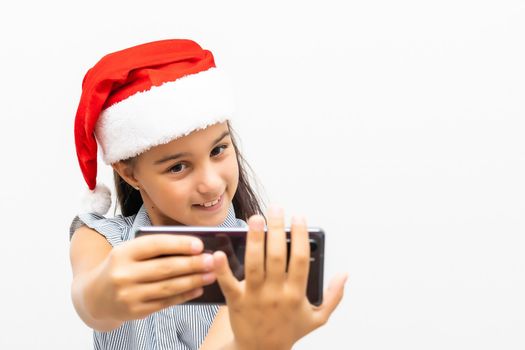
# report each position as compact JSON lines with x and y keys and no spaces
{"x":218,"y":139}
{"x":184,"y":154}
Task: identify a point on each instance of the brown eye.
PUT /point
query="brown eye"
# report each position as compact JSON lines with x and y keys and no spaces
{"x":177,"y":168}
{"x":218,"y":150}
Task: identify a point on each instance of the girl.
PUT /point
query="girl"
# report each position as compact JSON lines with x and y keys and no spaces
{"x":161,"y":114}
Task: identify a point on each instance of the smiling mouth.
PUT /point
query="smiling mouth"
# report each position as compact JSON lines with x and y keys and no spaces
{"x":210,"y":204}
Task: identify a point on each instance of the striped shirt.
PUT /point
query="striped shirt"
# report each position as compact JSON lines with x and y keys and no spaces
{"x":176,"y":327}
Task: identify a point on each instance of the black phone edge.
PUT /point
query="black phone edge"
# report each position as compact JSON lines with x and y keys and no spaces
{"x":205,"y":230}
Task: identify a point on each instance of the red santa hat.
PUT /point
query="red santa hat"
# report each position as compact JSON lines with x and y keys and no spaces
{"x":142,"y":97}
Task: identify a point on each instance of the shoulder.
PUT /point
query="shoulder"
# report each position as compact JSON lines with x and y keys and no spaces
{"x":114,"y":229}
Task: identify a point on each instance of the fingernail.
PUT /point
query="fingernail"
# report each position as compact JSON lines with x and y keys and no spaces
{"x":208,"y":262}
{"x":298,"y":220}
{"x":197,"y":292}
{"x":208,"y":277}
{"x":275,"y":211}
{"x":196,"y":246}
{"x":257,"y":223}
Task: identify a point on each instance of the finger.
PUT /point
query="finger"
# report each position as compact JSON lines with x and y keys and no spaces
{"x":159,"y":269}
{"x":172,"y":287}
{"x":332,"y":296}
{"x":299,"y":254}
{"x":254,"y":256}
{"x":152,"y":306}
{"x":275,"y":247}
{"x":224,"y":243}
{"x":154,"y":245}
{"x":229,"y":285}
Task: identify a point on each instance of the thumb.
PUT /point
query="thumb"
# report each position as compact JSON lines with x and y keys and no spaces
{"x":229,"y":285}
{"x":332,"y":297}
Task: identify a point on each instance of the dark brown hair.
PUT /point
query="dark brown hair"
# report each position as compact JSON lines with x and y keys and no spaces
{"x":245,"y":201}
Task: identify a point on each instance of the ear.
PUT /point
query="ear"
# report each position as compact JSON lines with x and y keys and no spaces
{"x":125,"y":170}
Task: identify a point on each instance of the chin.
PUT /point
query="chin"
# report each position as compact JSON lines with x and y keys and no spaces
{"x":215,"y":221}
{"x":212,"y":219}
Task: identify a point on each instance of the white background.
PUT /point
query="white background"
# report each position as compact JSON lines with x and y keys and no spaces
{"x":397,"y":126}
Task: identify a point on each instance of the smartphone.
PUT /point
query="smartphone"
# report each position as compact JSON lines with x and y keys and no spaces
{"x":232,"y":241}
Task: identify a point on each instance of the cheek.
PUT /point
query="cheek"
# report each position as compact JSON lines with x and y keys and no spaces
{"x":233,"y":173}
{"x":164,"y":193}
{"x":175,"y":193}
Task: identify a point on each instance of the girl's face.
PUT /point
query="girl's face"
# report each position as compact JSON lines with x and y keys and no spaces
{"x":191,"y":180}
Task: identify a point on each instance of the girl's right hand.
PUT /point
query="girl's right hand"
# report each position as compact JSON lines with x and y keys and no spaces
{"x":269,"y":309}
{"x":148,"y":274}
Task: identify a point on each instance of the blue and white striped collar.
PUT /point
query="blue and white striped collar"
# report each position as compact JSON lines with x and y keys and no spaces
{"x":142,"y":219}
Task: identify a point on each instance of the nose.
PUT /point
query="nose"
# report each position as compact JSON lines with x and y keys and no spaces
{"x":209,"y":180}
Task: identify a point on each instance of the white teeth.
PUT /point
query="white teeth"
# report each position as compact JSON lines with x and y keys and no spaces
{"x":209,"y":204}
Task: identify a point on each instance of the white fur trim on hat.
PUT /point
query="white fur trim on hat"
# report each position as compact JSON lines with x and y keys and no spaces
{"x":164,"y":113}
{"x":97,"y":201}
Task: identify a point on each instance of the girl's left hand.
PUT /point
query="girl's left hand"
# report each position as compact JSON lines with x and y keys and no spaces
{"x":269,"y":309}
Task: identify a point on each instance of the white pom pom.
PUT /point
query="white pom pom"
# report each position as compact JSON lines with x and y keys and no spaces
{"x":97,"y":201}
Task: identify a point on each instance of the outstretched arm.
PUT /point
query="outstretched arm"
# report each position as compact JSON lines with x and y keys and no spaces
{"x":136,"y":278}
